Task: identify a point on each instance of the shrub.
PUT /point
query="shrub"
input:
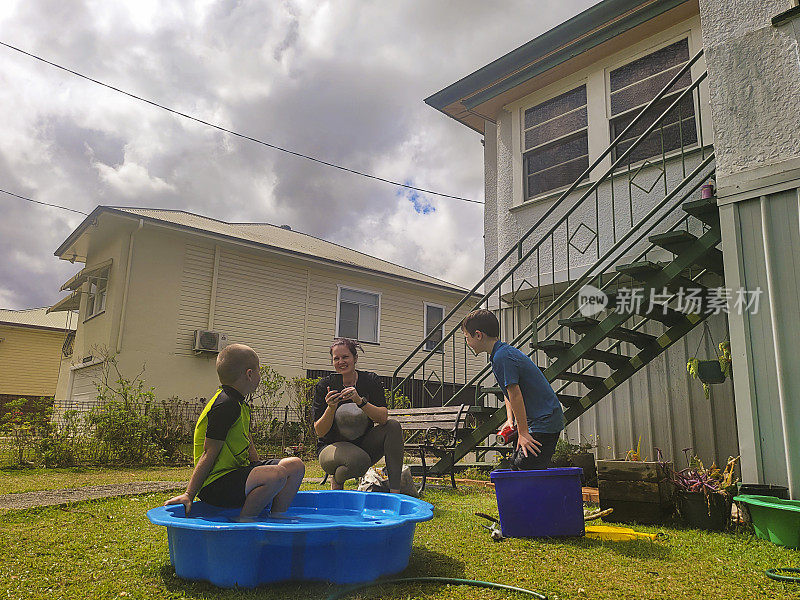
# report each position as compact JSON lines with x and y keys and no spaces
{"x":25,"y":421}
{"x":565,"y":451}
{"x":397,"y":400}
{"x":267,"y":413}
{"x":265,"y":426}
{"x":300,"y":398}
{"x":65,"y":446}
{"x":172,"y":425}
{"x":270,"y":387}
{"x":129,"y":426}
{"x":124,"y":433}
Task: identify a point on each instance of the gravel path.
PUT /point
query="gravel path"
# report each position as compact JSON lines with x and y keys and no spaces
{"x":25,"y":500}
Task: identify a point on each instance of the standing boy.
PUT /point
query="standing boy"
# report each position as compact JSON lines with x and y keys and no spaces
{"x":228,"y":472}
{"x":529,"y":398}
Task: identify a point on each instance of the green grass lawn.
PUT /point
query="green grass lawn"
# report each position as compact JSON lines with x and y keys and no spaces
{"x":33,"y":480}
{"x":108,"y":549}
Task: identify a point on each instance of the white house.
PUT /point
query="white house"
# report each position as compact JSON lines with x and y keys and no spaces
{"x":599,"y":136}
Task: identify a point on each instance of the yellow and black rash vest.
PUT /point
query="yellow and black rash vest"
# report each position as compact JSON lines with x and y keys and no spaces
{"x":234,"y":453}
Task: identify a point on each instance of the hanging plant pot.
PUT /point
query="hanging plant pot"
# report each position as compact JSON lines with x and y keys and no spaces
{"x":710,"y":371}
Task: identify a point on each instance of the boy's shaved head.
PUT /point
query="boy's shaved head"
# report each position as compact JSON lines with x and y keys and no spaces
{"x":233,"y":361}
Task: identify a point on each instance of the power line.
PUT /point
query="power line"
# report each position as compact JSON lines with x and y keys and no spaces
{"x":80,"y":212}
{"x":236,"y":133}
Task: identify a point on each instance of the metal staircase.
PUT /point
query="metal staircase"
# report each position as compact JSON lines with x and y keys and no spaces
{"x":611,"y":244}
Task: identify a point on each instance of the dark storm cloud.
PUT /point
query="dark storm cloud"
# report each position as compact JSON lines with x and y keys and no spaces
{"x":342,"y":80}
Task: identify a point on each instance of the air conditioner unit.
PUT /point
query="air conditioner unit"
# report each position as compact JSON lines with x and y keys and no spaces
{"x":209,"y":341}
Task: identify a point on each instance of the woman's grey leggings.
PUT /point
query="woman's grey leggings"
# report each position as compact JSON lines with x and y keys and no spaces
{"x":346,"y":460}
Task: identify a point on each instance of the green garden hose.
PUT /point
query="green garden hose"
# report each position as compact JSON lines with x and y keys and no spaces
{"x":450,"y":580}
{"x":778,"y":574}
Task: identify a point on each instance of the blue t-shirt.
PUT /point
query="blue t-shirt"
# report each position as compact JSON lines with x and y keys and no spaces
{"x":511,"y":366}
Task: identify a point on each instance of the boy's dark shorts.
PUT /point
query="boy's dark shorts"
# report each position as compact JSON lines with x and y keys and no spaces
{"x":228,"y":490}
{"x":543,"y":460}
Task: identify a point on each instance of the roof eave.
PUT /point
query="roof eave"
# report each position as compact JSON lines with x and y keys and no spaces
{"x":576,"y":47}
{"x":79,"y":230}
{"x":589,"y":19}
{"x":583,"y":32}
{"x":32,"y":326}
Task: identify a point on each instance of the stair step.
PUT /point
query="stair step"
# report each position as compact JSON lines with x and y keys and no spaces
{"x":485,"y":391}
{"x":582,"y":325}
{"x":590,"y":381}
{"x":568,"y":400}
{"x":553,"y":348}
{"x":556,"y":348}
{"x":565,"y":399}
{"x":671,"y":318}
{"x":704,"y":210}
{"x":677,"y":241}
{"x":644,"y":270}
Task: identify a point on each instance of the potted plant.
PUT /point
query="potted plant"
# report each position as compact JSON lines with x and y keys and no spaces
{"x":568,"y":454}
{"x":704,"y":495}
{"x":710,"y":372}
{"x":725,"y":361}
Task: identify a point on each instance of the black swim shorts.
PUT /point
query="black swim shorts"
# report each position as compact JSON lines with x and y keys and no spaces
{"x":228,"y":490}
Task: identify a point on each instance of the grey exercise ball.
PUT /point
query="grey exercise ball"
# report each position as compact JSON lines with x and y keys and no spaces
{"x":351,"y":421}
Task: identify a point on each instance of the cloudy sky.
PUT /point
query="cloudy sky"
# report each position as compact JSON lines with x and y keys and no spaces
{"x":342,"y":80}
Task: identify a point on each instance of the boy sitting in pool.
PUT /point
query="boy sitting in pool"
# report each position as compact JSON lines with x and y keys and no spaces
{"x":228,"y":472}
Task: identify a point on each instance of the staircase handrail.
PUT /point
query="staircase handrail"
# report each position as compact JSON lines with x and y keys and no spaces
{"x":575,"y":286}
{"x":570,"y":293}
{"x":518,"y":245}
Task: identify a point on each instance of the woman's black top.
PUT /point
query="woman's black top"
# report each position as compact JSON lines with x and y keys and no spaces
{"x":368,"y":386}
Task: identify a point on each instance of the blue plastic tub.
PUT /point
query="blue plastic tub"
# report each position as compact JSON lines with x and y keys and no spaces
{"x":546,"y":503}
{"x":336,"y":536}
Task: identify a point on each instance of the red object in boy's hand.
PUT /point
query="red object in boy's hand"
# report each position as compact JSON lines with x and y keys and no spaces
{"x":508,"y":434}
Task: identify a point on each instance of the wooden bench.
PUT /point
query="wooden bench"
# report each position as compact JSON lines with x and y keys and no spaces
{"x":436,"y":430}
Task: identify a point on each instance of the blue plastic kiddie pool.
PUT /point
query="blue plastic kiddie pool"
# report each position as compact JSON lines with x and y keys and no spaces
{"x":336,"y":536}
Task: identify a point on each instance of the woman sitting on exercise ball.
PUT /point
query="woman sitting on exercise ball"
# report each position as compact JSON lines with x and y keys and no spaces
{"x":352,"y":421}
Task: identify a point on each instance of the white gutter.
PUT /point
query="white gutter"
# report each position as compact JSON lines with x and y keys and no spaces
{"x":127,"y":285}
{"x":212,"y":305}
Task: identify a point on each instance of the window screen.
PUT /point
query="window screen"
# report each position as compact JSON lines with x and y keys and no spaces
{"x":556,"y":142}
{"x":637,"y":83}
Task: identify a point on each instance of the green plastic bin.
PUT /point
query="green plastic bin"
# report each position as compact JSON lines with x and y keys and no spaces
{"x":774,"y":519}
